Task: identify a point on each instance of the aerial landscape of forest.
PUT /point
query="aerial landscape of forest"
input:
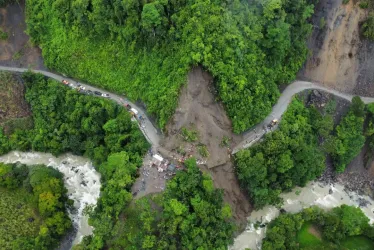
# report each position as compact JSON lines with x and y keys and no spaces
{"x":177,"y":124}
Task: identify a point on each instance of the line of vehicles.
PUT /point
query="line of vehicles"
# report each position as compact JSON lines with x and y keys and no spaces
{"x":134,"y":113}
{"x":83,"y":90}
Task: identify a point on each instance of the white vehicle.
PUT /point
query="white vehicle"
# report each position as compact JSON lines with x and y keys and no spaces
{"x":105,"y":95}
{"x":134,"y":111}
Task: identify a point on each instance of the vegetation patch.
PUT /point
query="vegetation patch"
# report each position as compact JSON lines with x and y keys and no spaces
{"x":367,"y":27}
{"x":33,"y":207}
{"x":14,"y":111}
{"x":146,"y":48}
{"x":308,"y":235}
{"x":296,"y":152}
{"x":3,"y":35}
{"x":288,"y":157}
{"x":190,"y":214}
{"x":18,"y":217}
{"x":348,"y":138}
{"x":358,"y":243}
{"x":203,"y":150}
{"x":344,"y":227}
{"x":189,"y":135}
{"x":67,"y":121}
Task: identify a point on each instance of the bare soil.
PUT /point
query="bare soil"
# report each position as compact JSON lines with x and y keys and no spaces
{"x":340,"y":57}
{"x":17,"y":51}
{"x":150,"y":180}
{"x":12,"y":99}
{"x":314,"y":231}
{"x":198,"y":110}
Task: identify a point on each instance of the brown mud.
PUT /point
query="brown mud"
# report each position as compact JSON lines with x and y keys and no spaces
{"x":340,"y":57}
{"x":13,"y":105}
{"x":16,"y":50}
{"x":198,"y":110}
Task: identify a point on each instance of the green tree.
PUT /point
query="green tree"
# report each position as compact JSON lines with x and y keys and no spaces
{"x":151,"y":18}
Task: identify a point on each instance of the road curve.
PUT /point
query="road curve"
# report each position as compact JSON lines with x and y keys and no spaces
{"x":255,"y":133}
{"x":250,"y":137}
{"x":152,"y":135}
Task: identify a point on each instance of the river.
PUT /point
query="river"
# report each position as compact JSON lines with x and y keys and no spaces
{"x":315,"y":193}
{"x":80,"y":179}
{"x":83,"y":185}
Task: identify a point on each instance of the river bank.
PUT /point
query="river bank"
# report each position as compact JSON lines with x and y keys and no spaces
{"x":315,"y":193}
{"x":80,"y":179}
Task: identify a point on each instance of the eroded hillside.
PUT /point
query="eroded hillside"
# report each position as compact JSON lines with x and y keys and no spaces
{"x":340,"y":57}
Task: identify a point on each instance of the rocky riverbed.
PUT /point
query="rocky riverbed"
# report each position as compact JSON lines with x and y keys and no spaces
{"x":315,"y":193}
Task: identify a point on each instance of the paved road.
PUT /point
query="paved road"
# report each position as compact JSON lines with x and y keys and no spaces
{"x":150,"y":132}
{"x":255,"y":134}
{"x":250,"y":137}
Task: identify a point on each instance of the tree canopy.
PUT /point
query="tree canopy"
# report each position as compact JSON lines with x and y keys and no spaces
{"x":190,"y":214}
{"x":145,"y":48}
{"x":67,"y":121}
{"x":349,"y":137}
{"x":49,"y":199}
{"x":288,"y":157}
{"x":335,"y":226}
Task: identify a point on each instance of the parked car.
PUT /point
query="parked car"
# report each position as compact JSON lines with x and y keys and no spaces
{"x":127,"y":106}
{"x":89,"y":92}
{"x":97,"y":93}
{"x":105,"y":95}
{"x":65,"y":82}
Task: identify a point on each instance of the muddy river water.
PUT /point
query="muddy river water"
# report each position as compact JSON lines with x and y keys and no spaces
{"x":315,"y":193}
{"x":80,"y":179}
{"x":83,"y":185}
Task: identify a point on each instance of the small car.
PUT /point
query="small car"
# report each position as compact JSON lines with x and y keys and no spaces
{"x":97,"y":93}
{"x":105,"y":95}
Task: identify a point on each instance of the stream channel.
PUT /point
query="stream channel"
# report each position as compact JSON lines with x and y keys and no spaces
{"x":83,"y":185}
{"x":80,"y":179}
{"x":314,"y":193}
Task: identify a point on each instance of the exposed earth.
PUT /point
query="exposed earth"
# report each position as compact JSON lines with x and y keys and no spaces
{"x":198,"y":110}
{"x":13,"y":105}
{"x":17,"y":51}
{"x":340,"y":57}
{"x":339,"y":60}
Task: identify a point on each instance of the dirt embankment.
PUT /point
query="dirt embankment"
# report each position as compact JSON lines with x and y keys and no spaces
{"x":340,"y":57}
{"x":13,"y":105}
{"x":199,"y":111}
{"x":16,"y":50}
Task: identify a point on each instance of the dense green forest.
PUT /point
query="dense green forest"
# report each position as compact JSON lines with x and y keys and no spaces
{"x":344,"y":228}
{"x":296,"y":152}
{"x":288,"y":157}
{"x":144,"y":49}
{"x":348,"y":138}
{"x":67,"y":121}
{"x":33,"y":207}
{"x":190,"y":214}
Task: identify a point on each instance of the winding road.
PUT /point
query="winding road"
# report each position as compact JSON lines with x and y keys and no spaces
{"x":151,"y":133}
{"x":154,"y":136}
{"x":255,"y":133}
